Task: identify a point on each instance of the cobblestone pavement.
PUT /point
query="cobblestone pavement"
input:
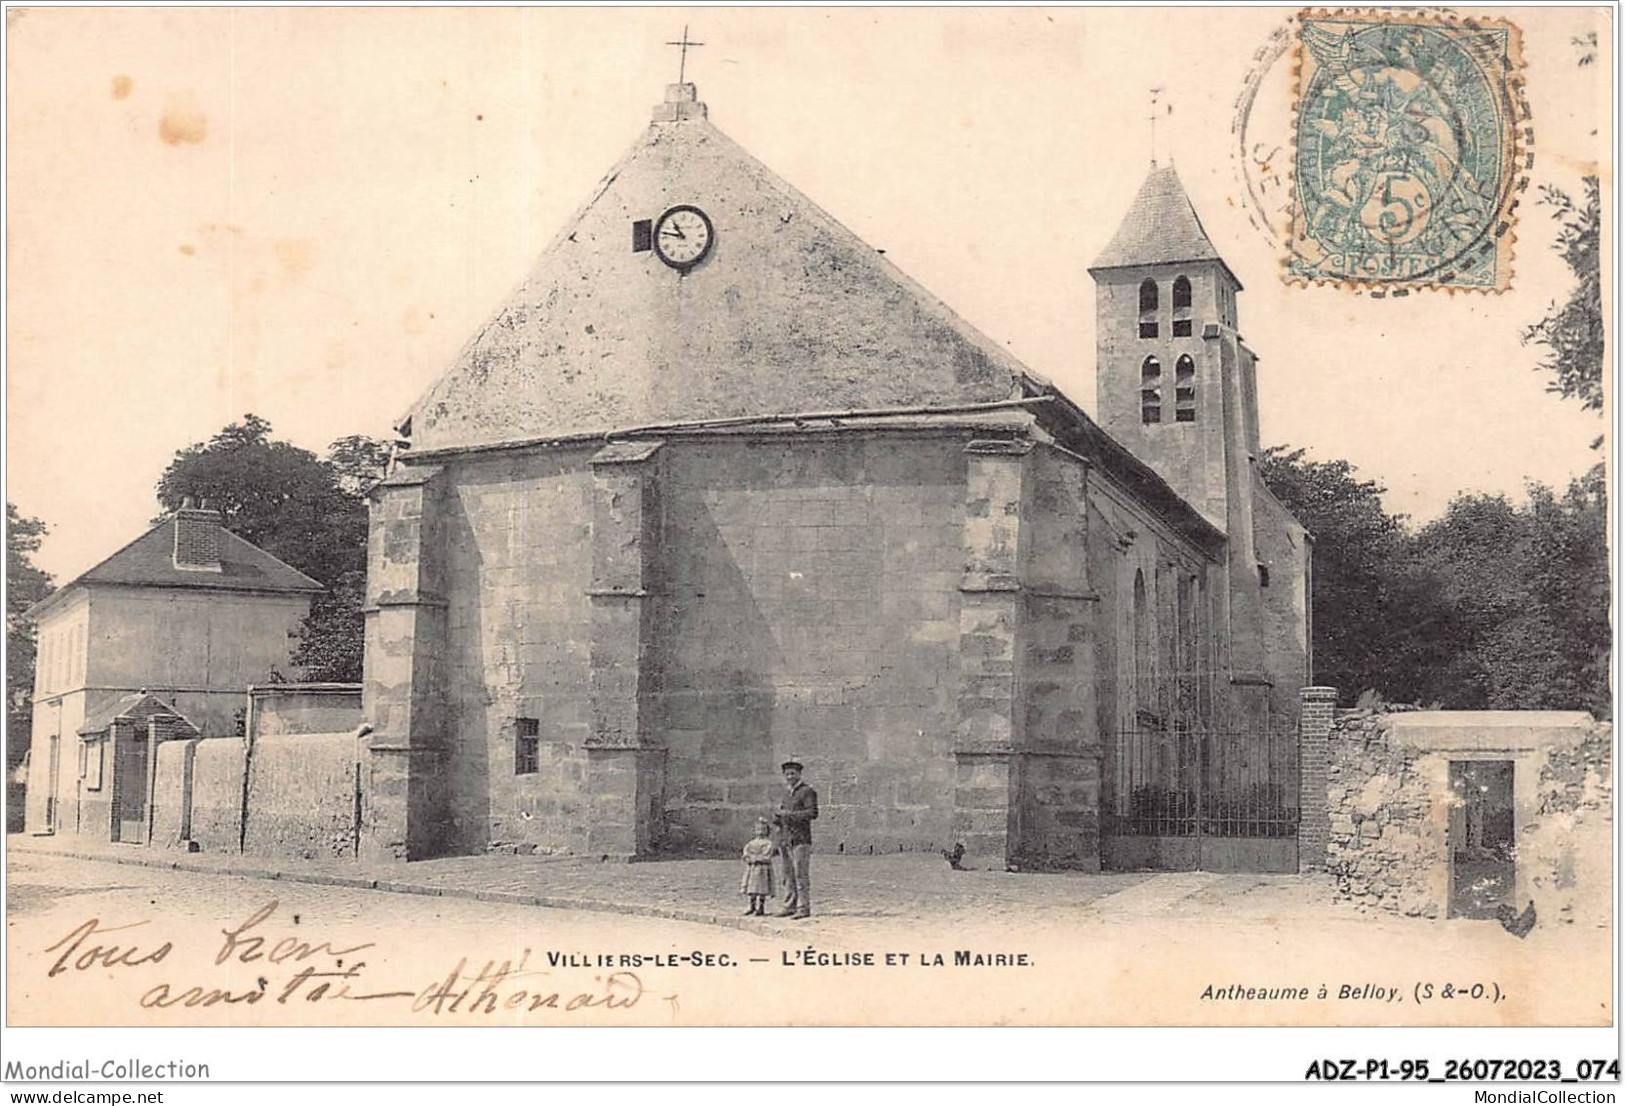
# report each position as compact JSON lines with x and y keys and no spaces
{"x":849,"y":889}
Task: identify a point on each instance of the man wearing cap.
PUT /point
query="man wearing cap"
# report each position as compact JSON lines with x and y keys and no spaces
{"x":797,"y":810}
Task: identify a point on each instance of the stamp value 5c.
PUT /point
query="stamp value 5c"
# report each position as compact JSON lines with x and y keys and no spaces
{"x":1409,"y":138}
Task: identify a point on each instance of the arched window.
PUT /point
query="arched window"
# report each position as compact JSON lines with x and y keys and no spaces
{"x":1148,"y":295}
{"x":1185,"y":389}
{"x":1145,"y":677}
{"x":1182,"y":308}
{"x":1151,"y":391}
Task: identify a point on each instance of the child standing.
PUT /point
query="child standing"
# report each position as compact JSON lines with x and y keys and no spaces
{"x":758,"y":879}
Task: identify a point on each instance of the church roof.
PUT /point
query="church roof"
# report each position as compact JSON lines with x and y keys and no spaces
{"x":1161,"y":228}
{"x":789,"y":312}
{"x":149,"y":561}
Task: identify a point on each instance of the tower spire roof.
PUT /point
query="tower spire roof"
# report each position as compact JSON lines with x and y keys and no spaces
{"x":1161,"y":227}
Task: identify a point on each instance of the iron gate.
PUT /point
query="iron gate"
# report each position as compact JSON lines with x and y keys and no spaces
{"x":1200,"y":799}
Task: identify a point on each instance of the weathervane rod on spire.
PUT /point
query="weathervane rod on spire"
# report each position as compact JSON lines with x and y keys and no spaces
{"x":1155,"y":92}
{"x":682,"y":61}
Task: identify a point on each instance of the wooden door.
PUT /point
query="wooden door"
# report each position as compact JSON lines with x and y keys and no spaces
{"x":130,"y":787}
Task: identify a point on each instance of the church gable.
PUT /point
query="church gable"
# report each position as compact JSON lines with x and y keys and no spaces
{"x":788,"y":312}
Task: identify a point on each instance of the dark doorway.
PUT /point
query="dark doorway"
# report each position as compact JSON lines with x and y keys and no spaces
{"x":1483,"y":848}
{"x":130,"y":786}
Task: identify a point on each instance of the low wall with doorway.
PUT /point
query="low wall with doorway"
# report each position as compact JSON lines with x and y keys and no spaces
{"x":1459,"y":813}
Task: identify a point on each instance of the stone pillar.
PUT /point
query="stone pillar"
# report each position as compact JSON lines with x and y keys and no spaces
{"x":987,"y":783}
{"x":403,"y":693}
{"x":626,"y":763}
{"x":1314,"y":755}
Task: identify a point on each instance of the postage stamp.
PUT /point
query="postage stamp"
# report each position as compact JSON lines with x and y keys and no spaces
{"x":1410,"y":142}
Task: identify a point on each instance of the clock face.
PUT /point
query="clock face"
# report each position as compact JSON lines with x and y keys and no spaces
{"x":683,"y":236}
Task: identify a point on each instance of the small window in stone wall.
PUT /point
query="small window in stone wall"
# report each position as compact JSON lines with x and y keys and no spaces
{"x":526,"y":745}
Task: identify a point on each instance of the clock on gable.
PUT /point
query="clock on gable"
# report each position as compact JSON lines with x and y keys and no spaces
{"x":683,"y":236}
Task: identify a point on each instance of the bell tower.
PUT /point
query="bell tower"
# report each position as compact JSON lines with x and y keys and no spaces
{"x":1176,"y":385}
{"x":1173,"y":381}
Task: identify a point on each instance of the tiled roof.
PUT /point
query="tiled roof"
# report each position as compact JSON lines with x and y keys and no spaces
{"x":150,"y":561}
{"x":140,"y":705}
{"x":1161,"y":227}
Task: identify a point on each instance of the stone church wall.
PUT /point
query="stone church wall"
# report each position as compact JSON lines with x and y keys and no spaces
{"x":1059,"y":781}
{"x":1282,"y":547}
{"x":518,"y":570}
{"x":811,"y":607}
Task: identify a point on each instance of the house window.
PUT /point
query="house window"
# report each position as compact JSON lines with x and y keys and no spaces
{"x":1263,"y":576}
{"x":1151,"y":391}
{"x":1182,"y":308}
{"x":1148,"y":308}
{"x":1185,"y":389}
{"x":526,"y":743}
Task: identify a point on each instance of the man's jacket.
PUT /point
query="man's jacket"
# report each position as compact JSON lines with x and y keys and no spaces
{"x":796,"y":813}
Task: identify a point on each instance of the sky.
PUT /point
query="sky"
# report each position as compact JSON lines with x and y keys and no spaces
{"x":305,"y":213}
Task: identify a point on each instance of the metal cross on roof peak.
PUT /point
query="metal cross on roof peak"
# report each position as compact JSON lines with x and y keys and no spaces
{"x":1156,"y":97}
{"x":682,"y":62}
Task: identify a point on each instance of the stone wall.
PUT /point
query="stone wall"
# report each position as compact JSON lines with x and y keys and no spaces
{"x":1059,"y":782}
{"x":518,"y":572}
{"x":172,"y":794}
{"x":810,"y":606}
{"x":303,"y":708}
{"x":302,"y":796}
{"x":1390,"y":802}
{"x":217,"y":794}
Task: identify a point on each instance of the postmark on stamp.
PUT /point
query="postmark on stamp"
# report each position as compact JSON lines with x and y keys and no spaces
{"x":1410,"y":145}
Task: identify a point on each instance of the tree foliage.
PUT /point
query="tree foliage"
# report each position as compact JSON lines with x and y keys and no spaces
{"x":308,"y":511}
{"x":1573,"y":333}
{"x":26,"y":584}
{"x":1492,"y":606}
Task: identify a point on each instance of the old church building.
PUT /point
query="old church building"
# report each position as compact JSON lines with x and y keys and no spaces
{"x":718,"y":484}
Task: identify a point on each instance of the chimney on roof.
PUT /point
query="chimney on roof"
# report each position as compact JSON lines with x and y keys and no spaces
{"x":197,"y":538}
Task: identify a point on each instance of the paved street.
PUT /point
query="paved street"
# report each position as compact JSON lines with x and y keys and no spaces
{"x":1062,"y":949}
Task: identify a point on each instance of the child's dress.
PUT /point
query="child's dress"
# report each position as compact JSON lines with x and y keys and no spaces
{"x":758,"y":878}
